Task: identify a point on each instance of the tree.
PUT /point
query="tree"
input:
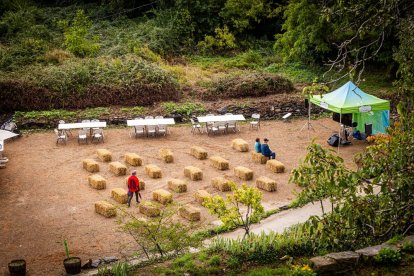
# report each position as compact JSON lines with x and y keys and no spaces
{"x":240,"y":208}
{"x":161,"y":234}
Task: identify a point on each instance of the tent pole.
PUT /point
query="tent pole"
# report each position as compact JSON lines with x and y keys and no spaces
{"x":339,"y":132}
{"x":309,"y":118}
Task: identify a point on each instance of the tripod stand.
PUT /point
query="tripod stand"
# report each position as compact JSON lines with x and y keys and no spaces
{"x":308,"y":125}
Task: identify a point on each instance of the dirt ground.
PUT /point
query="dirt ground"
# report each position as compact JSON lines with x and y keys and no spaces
{"x":45,"y":197}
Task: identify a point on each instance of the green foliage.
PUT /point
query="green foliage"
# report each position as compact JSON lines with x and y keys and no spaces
{"x":162,"y":234}
{"x":66,"y":248}
{"x":188,"y":108}
{"x":388,"y":256}
{"x":134,"y":111}
{"x":215,"y":260}
{"x":250,"y":59}
{"x":147,"y":54}
{"x":104,"y":271}
{"x":54,"y":114}
{"x":77,"y":35}
{"x":233,"y":263}
{"x":229,"y":210}
{"x":407,"y":247}
{"x":304,"y":270}
{"x":395,"y":239}
{"x":296,"y":72}
{"x":223,"y":40}
{"x":95,"y":112}
{"x":120,"y":269}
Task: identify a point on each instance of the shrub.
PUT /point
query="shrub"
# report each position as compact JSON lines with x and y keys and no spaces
{"x":223,"y":40}
{"x":304,"y":270}
{"x":147,"y":54}
{"x":388,"y":256}
{"x":407,"y":247}
{"x":186,"y":108}
{"x":249,"y":59}
{"x":249,"y":85}
{"x":57,"y":56}
{"x":233,"y":263}
{"x":214,"y":260}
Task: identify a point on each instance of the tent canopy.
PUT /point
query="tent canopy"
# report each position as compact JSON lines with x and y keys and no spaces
{"x":350,"y":99}
{"x":4,"y":134}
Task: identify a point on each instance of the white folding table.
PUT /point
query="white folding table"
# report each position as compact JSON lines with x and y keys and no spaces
{"x":81,"y":125}
{"x":151,"y":122}
{"x":220,"y":118}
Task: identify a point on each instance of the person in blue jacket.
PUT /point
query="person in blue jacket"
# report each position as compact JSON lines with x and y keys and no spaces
{"x":266,"y":150}
{"x":258,"y":146}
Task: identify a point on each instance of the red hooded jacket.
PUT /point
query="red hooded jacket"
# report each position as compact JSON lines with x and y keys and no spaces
{"x":133,"y":184}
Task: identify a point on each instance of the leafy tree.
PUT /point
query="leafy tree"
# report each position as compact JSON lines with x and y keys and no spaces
{"x":241,"y":208}
{"x":161,"y":234}
{"x":224,"y":40}
{"x":77,"y":35}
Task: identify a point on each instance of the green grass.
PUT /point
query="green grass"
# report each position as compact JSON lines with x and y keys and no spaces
{"x":134,"y":111}
{"x":296,"y":72}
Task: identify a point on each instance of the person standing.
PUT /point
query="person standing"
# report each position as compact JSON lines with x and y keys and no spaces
{"x":133,"y":187}
{"x":258,"y":146}
{"x":266,"y":150}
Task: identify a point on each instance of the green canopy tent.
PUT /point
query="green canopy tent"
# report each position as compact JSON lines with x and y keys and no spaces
{"x":365,"y":108}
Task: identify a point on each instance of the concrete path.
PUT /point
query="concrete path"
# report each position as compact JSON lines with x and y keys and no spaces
{"x":283,"y":220}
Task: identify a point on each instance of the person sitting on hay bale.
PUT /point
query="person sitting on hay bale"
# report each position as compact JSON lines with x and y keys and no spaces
{"x":258,"y":146}
{"x":266,"y":150}
{"x":133,"y":187}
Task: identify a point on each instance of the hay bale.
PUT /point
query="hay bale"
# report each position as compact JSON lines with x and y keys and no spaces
{"x":201,"y":195}
{"x":219,"y":162}
{"x":150,"y":209}
{"x":240,"y":145}
{"x":243,"y":173}
{"x":97,"y":182}
{"x":119,"y":195}
{"x":275,"y":166}
{"x":133,"y":159}
{"x":190,"y":213}
{"x":198,"y":152}
{"x":177,"y":185}
{"x":90,"y":165}
{"x":117,"y":168}
{"x":257,"y":157}
{"x":193,"y":173}
{"x":167,"y":155}
{"x":105,"y":209}
{"x":104,"y":155}
{"x":221,"y":184}
{"x":141,"y":183}
{"x":153,"y":171}
{"x":266,"y":183}
{"x":162,"y":196}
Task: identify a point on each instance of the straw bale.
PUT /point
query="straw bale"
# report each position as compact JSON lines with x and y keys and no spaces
{"x":219,"y":162}
{"x":275,"y":166}
{"x":162,"y":196}
{"x":105,"y":209}
{"x":257,"y":157}
{"x":150,"y":209}
{"x":104,"y":155}
{"x":221,"y":184}
{"x":266,"y":183}
{"x":117,"y":168}
{"x":193,"y":173}
{"x":141,"y":183}
{"x":198,"y":152}
{"x":96,"y":181}
{"x":190,"y":213}
{"x":133,"y":159}
{"x":153,"y":171}
{"x":167,"y":155}
{"x":243,"y":173}
{"x":201,"y":195}
{"x":120,"y":195}
{"x":177,"y":185}
{"x":90,"y":165}
{"x":240,"y":145}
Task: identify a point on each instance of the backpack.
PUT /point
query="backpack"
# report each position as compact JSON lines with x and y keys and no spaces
{"x":333,"y":140}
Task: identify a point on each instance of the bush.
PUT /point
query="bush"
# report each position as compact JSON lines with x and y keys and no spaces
{"x":249,"y":85}
{"x":407,"y":247}
{"x":388,"y":256}
{"x":249,"y":59}
{"x":214,"y":261}
{"x":222,"y":41}
{"x":187,"y":108}
{"x":57,"y":56}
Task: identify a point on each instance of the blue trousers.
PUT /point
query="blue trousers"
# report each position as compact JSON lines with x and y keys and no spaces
{"x":271,"y":155}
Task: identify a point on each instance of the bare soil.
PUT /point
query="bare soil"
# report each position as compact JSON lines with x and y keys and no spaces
{"x":45,"y":197}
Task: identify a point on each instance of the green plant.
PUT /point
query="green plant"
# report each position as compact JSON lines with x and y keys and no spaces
{"x":66,"y":248}
{"x":134,"y":111}
{"x":188,"y":108}
{"x":304,"y":270}
{"x":203,"y":256}
{"x":233,"y":263}
{"x":223,"y":40}
{"x":395,"y":239}
{"x":388,"y":256}
{"x":95,"y":112}
{"x":407,"y":247}
{"x":229,"y":211}
{"x":120,"y":269}
{"x":214,"y":260}
{"x":104,"y":271}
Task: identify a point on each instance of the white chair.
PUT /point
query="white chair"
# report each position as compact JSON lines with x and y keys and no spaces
{"x":67,"y":131}
{"x":138,"y":131}
{"x":151,"y":130}
{"x":97,"y":135}
{"x":195,"y":126}
{"x":231,"y":125}
{"x":162,"y":130}
{"x":222,"y":126}
{"x":60,"y":136}
{"x":149,"y":117}
{"x":95,"y":121}
{"x":86,"y":128}
{"x":212,"y":128}
{"x":256,"y":121}
{"x":159,"y":117}
{"x":82,"y":136}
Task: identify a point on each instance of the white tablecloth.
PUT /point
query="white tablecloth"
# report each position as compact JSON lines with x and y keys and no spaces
{"x":82,"y":125}
{"x":151,"y":122}
{"x":221,"y":118}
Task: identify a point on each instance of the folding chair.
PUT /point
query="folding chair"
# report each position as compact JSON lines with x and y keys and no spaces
{"x":67,"y":131}
{"x":256,"y":121}
{"x":60,"y":136}
{"x":151,"y":130}
{"x":97,"y":135}
{"x":82,"y":136}
{"x":195,"y":126}
{"x":162,"y":130}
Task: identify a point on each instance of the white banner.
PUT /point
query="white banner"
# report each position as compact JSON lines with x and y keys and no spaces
{"x":1,"y":145}
{"x":365,"y":108}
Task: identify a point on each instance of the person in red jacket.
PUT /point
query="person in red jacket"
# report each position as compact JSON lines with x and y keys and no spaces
{"x":133,"y":187}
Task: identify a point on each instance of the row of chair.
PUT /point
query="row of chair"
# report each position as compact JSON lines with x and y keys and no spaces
{"x":222,"y":127}
{"x":149,"y":130}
